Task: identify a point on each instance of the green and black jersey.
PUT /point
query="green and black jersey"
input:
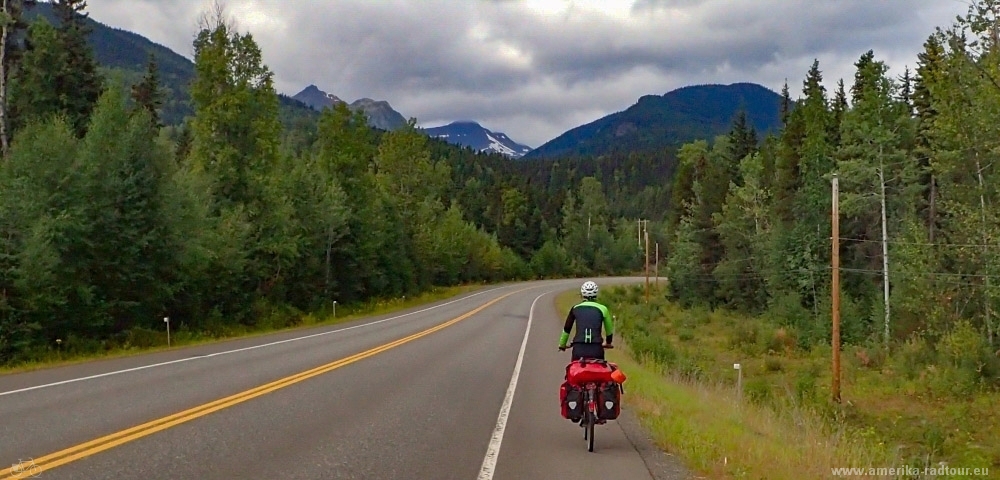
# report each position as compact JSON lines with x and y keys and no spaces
{"x":589,"y":316}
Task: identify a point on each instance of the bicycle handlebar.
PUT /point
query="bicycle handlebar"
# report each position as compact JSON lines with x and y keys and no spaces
{"x":606,"y":346}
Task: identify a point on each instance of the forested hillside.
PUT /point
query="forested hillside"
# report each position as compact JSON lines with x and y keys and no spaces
{"x":658,"y":122}
{"x":248,"y":216}
{"x":916,"y":155}
{"x":126,"y":55}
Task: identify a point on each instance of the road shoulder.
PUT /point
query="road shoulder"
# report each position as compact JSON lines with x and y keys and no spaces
{"x":662,"y":465}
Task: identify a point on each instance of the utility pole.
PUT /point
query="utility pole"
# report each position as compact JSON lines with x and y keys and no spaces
{"x":656,"y":273}
{"x":835,"y":283}
{"x":885,"y":251}
{"x":646,"y":233}
{"x":986,"y":263}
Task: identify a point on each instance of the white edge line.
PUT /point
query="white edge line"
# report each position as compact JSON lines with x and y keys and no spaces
{"x":493,"y":451}
{"x":116,"y":372}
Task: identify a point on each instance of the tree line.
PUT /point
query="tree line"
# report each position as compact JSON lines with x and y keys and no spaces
{"x":110,"y":221}
{"x":915,"y":157}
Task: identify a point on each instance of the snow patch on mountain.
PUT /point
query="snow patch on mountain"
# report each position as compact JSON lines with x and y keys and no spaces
{"x":471,"y":134}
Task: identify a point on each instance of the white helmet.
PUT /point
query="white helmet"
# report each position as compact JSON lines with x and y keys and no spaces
{"x":588,"y":290}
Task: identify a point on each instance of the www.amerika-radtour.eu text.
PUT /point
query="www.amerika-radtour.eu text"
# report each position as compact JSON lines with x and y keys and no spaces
{"x":941,"y":470}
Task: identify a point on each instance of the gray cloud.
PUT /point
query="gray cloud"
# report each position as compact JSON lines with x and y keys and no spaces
{"x":534,"y":71}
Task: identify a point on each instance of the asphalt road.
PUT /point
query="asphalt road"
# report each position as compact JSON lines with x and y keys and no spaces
{"x":464,"y":388}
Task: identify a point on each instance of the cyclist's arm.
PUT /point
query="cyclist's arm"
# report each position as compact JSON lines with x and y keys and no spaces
{"x":568,"y":327}
{"x":609,"y":326}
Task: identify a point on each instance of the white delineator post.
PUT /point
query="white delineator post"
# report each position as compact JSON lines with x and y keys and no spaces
{"x":739,"y":380}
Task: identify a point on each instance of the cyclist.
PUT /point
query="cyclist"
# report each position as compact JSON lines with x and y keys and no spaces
{"x":589,"y":316}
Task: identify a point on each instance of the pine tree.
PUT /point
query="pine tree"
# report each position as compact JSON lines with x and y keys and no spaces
{"x":786,"y":103}
{"x":742,"y":140}
{"x":906,"y":91}
{"x":871,"y":163}
{"x":857,"y":90}
{"x":17,"y":26}
{"x":929,"y":71}
{"x":840,"y":107}
{"x":147,"y":93}
{"x":35,"y":92}
{"x":79,"y":82}
{"x":11,"y":25}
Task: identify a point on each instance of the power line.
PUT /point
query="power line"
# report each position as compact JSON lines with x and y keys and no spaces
{"x":923,"y":244}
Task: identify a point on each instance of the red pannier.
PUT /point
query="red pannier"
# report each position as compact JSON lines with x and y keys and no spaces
{"x":609,"y":401}
{"x":571,"y":401}
{"x":581,"y":372}
{"x":608,"y":378}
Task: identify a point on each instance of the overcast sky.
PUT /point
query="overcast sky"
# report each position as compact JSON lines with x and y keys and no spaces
{"x":536,"y":68}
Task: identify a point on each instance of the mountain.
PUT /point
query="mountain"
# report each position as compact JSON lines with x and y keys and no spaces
{"x":316,"y":98}
{"x":656,"y":122}
{"x":125,"y":54}
{"x":380,"y":114}
{"x":473,"y":135}
{"x":128,"y":53}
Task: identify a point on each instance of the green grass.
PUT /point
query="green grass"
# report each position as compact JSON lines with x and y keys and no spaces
{"x":183,"y":338}
{"x":782,"y":423}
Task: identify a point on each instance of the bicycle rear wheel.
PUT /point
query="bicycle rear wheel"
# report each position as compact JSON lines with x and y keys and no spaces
{"x":591,"y":421}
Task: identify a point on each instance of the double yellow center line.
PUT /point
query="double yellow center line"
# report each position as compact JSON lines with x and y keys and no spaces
{"x":101,"y":444}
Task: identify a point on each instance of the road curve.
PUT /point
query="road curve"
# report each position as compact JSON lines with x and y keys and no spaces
{"x":464,"y":388}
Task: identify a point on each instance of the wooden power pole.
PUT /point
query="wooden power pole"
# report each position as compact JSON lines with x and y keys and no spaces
{"x":646,"y":235}
{"x":835,"y":283}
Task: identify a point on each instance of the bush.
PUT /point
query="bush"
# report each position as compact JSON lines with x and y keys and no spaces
{"x":773,"y":364}
{"x":947,"y":381}
{"x":550,"y":260}
{"x":787,"y":310}
{"x":144,"y":338}
{"x":805,"y":384}
{"x":966,"y":350}
{"x":962,"y":347}
{"x":689,"y":369}
{"x":745,"y":337}
{"x":513,"y":267}
{"x":871,"y":358}
{"x":911,"y":357}
{"x":686,"y":335}
{"x":782,"y":341}
{"x":658,"y":350}
{"x":758,"y":390}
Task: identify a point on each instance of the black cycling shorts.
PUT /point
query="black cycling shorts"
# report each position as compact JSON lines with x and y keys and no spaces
{"x":588,"y":350}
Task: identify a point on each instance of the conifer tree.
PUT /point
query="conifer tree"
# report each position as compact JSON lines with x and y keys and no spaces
{"x":148,"y":94}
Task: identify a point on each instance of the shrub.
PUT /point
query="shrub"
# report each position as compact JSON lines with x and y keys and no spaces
{"x":686,"y":335}
{"x":145,"y":338}
{"x":656,"y":349}
{"x":773,"y":364}
{"x":782,"y":341}
{"x":912,"y":356}
{"x":745,"y":337}
{"x":805,"y":385}
{"x":758,"y":390}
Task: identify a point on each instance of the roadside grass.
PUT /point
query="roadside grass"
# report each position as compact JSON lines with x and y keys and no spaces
{"x":683,"y":387}
{"x":144,"y":341}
